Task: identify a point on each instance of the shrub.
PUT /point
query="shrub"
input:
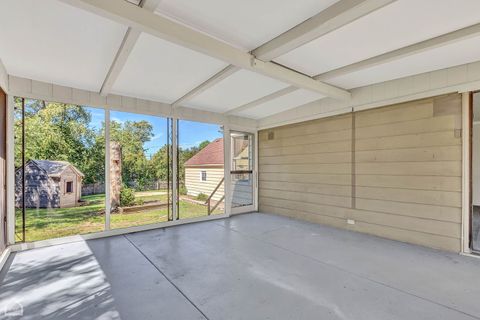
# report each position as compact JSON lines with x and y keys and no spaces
{"x":183,"y":190}
{"x":202,"y":197}
{"x":139,"y":202}
{"x":127,"y":196}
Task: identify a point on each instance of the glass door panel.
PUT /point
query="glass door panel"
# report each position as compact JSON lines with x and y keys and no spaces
{"x":242,"y":171}
{"x":140,"y":169}
{"x":200,"y":169}
{"x":59,"y":169}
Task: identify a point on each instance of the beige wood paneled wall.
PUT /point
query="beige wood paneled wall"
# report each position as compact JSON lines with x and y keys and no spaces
{"x":402,"y":181}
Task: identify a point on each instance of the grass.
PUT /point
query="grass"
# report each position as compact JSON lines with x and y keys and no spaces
{"x":43,"y":224}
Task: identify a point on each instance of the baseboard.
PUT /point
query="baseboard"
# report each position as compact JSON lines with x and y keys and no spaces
{"x":109,"y":233}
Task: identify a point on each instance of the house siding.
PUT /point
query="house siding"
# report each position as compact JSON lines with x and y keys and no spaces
{"x":195,"y":186}
{"x":396,"y":171}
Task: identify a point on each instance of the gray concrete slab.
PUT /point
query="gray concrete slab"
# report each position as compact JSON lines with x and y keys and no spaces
{"x":254,"y":266}
{"x":445,"y":278}
{"x":99,"y":279}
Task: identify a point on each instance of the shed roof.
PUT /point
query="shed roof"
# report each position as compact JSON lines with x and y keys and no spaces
{"x":212,"y":154}
{"x":55,"y":168}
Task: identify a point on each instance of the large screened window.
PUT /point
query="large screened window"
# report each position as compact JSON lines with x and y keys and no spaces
{"x":201,"y":169}
{"x":59,"y":169}
{"x":140,"y":169}
{"x":80,"y":169}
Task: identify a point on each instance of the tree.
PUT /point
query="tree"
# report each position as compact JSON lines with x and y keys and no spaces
{"x":203,"y":144}
{"x":58,"y":131}
{"x":132,"y":135}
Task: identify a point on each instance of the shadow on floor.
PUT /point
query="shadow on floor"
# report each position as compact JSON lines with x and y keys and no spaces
{"x":58,"y":287}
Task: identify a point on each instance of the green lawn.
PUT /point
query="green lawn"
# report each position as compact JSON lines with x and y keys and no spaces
{"x":53,"y":223}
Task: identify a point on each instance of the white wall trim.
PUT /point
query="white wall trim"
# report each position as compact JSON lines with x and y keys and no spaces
{"x":465,"y":240}
{"x":4,"y":257}
{"x":455,"y":79}
{"x":10,"y":166}
{"x":109,"y":233}
{"x":33,"y":89}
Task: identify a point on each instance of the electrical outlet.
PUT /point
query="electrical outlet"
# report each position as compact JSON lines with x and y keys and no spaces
{"x":350,"y":221}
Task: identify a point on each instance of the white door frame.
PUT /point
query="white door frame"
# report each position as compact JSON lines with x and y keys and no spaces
{"x":254,"y":206}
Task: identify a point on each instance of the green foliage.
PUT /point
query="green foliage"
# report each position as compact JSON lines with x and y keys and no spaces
{"x":202,"y":197}
{"x":127,"y":196}
{"x":59,"y":131}
{"x":203,"y":144}
{"x":139,"y":202}
{"x":183,"y":190}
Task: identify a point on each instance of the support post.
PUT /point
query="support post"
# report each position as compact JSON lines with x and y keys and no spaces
{"x":107,"y":170}
{"x":175,"y":168}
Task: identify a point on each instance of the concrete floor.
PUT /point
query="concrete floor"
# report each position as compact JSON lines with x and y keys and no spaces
{"x":254,"y":266}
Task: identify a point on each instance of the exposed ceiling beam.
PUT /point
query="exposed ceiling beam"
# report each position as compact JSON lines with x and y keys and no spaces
{"x":146,"y":21}
{"x":219,"y":76}
{"x":262,"y":100}
{"x":129,"y":41}
{"x":337,"y":15}
{"x":440,"y":41}
{"x":443,"y":40}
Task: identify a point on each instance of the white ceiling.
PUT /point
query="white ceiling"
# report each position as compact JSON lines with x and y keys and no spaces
{"x":162,"y":71}
{"x":238,"y":89}
{"x":51,"y":41}
{"x":448,"y":56}
{"x":54,"y":42}
{"x":397,"y":25}
{"x":288,"y":101}
{"x":246,"y":24}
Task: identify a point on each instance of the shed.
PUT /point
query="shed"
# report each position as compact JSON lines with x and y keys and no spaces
{"x":49,"y":184}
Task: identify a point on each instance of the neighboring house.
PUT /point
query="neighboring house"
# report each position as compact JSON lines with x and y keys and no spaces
{"x":49,"y":184}
{"x":204,"y":171}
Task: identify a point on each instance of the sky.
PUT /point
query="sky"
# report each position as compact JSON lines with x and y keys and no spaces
{"x":190,"y":133}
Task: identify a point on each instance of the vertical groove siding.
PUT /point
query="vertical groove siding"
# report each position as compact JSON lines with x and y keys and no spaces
{"x":405,"y":169}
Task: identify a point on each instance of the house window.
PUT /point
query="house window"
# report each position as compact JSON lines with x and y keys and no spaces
{"x":69,"y":187}
{"x":203,"y":175}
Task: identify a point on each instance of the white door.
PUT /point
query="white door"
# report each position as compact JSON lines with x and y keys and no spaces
{"x":242,"y":171}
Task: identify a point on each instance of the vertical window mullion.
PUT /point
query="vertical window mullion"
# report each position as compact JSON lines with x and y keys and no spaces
{"x":175,"y":168}
{"x":107,"y":170}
